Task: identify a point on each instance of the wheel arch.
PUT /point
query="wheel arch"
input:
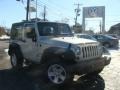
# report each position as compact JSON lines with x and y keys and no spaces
{"x":64,"y":54}
{"x":13,"y":47}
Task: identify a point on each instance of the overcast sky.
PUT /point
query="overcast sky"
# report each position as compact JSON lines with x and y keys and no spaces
{"x":13,"y":11}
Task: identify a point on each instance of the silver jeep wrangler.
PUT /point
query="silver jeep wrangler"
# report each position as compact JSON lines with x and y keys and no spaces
{"x":53,"y":45}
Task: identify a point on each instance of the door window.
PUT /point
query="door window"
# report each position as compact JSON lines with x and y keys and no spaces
{"x":29,"y":31}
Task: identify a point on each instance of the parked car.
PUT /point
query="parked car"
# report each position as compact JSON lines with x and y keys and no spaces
{"x":52,"y":46}
{"x":106,"y":40}
{"x":86,"y":36}
{"x":114,"y":35}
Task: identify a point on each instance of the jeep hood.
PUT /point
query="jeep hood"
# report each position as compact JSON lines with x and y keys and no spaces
{"x":74,"y":40}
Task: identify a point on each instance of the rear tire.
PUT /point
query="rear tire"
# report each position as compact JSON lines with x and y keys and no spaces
{"x":16,"y":60}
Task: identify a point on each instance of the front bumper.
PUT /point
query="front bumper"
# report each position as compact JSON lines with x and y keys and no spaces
{"x":114,"y":43}
{"x":84,"y":67}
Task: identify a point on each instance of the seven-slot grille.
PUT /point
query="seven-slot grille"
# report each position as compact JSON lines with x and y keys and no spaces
{"x":90,"y":52}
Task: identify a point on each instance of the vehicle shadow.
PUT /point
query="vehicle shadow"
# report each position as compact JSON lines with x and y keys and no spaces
{"x":90,"y":83}
{"x":83,"y":83}
{"x":23,"y":80}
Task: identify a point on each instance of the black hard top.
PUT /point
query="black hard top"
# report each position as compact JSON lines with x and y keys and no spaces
{"x":23,"y":22}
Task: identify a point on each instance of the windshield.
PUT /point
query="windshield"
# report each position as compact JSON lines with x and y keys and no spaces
{"x":54,"y":29}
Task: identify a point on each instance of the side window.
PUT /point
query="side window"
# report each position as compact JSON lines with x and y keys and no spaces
{"x":64,"y":29}
{"x":16,"y":32}
{"x":48,"y":30}
{"x":29,"y":31}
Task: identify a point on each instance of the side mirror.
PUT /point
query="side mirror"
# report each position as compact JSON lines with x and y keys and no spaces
{"x":31,"y":35}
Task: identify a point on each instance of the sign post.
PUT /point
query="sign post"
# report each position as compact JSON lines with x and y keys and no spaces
{"x":94,"y":12}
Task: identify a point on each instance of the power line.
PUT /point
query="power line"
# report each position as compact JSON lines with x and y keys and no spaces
{"x":42,"y":4}
{"x":55,"y":6}
{"x":53,"y":14}
{"x":52,"y":7}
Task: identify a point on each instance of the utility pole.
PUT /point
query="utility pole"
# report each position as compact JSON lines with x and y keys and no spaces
{"x":44,"y":13}
{"x":27,"y":11}
{"x":100,"y":27}
{"x":77,"y":11}
{"x":28,"y":7}
{"x":36,"y":9}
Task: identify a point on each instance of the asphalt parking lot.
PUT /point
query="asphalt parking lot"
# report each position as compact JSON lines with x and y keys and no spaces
{"x":27,"y":78}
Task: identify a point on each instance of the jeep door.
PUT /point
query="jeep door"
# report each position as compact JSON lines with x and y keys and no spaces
{"x":30,"y":46}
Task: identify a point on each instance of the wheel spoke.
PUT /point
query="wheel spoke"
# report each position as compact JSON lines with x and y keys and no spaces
{"x":56,"y":80}
{"x":62,"y":77}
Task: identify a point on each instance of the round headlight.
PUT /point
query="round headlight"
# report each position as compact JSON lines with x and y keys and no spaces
{"x":76,"y":50}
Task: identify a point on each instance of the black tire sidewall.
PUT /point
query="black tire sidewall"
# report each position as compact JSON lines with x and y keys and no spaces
{"x":19,"y":60}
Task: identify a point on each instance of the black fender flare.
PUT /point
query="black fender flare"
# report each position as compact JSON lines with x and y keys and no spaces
{"x":65,"y":55}
{"x":13,"y":47}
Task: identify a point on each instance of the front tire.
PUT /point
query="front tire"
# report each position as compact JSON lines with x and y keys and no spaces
{"x":56,"y":72}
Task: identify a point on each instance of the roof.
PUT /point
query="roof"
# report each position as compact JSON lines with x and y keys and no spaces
{"x":23,"y":22}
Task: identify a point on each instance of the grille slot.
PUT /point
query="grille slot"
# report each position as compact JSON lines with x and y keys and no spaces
{"x":89,"y":52}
